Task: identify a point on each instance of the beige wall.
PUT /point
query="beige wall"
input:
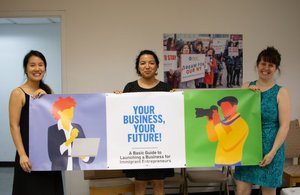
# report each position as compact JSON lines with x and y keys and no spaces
{"x":100,"y":38}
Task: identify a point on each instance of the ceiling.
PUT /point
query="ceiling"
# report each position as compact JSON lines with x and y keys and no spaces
{"x":28,"y":20}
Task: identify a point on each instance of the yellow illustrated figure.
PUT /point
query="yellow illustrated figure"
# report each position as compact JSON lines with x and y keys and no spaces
{"x":230,"y":133}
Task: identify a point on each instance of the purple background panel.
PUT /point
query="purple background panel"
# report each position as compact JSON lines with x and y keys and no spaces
{"x":90,"y":113}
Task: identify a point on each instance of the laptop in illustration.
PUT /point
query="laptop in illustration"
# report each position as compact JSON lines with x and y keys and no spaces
{"x":85,"y":147}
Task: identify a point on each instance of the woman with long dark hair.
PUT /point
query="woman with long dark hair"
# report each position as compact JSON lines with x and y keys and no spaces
{"x":26,"y":181}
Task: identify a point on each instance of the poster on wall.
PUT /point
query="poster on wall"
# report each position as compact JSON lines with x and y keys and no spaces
{"x":203,"y":60}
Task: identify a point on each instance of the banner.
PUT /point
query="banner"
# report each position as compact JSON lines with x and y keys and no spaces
{"x":145,"y":130}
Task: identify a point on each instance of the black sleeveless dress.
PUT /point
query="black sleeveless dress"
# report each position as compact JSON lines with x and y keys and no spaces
{"x":36,"y":182}
{"x":148,"y":174}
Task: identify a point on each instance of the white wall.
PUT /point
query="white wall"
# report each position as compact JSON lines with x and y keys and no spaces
{"x":15,"y":42}
{"x":100,"y":39}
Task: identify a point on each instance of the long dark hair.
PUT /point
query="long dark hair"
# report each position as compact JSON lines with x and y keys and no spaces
{"x":42,"y":85}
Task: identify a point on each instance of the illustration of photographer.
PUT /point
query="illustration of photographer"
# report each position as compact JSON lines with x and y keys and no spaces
{"x":230,"y":133}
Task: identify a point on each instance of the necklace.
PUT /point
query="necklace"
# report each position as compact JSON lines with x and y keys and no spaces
{"x":264,"y":86}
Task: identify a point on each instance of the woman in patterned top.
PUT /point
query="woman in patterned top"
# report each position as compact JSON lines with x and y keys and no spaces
{"x":275,"y":117}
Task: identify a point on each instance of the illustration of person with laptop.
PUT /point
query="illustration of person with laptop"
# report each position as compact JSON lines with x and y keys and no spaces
{"x":61,"y":137}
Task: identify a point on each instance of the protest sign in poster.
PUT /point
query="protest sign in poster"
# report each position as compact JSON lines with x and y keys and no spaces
{"x":170,"y":60}
{"x":223,"y":69}
{"x":145,"y":130}
{"x":223,"y":127}
{"x":56,"y":121}
{"x":192,"y":66}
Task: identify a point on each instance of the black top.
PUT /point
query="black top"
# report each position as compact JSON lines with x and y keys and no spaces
{"x":148,"y":174}
{"x":36,"y":182}
{"x":134,"y":87}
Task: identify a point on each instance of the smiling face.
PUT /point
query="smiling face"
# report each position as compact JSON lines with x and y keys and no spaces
{"x":35,"y":68}
{"x":268,"y":63}
{"x":147,"y":66}
{"x":266,"y":70}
